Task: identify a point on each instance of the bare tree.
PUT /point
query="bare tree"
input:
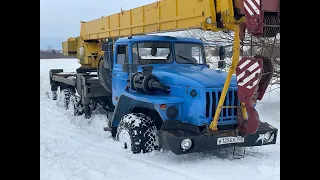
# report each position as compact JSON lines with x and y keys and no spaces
{"x":250,"y":46}
{"x":49,"y":48}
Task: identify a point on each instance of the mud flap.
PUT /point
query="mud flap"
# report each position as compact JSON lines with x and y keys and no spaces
{"x":253,"y":78}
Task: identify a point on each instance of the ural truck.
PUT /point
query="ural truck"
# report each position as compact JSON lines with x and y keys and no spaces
{"x":158,"y":91}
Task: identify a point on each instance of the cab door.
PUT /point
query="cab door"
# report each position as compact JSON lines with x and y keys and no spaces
{"x":119,"y":78}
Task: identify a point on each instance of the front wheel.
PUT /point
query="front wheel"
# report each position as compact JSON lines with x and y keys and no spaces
{"x":138,"y":133}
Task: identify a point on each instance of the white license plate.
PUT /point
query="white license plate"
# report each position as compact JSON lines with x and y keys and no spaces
{"x":230,"y":140}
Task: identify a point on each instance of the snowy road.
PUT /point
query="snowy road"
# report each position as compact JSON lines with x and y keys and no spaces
{"x":73,"y":148}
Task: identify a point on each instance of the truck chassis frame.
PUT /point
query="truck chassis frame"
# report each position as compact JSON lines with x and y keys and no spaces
{"x":85,"y":83}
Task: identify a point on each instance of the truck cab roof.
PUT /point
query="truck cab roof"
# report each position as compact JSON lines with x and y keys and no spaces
{"x":145,"y":38}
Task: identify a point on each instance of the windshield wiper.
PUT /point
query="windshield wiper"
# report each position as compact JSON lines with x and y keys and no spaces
{"x":189,"y":60}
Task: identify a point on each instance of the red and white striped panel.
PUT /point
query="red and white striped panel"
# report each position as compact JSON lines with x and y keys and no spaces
{"x":252,"y":6}
{"x":248,"y":73}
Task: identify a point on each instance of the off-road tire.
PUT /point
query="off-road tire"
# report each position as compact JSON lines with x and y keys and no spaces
{"x":142,"y":132}
{"x":72,"y":101}
{"x":67,"y":94}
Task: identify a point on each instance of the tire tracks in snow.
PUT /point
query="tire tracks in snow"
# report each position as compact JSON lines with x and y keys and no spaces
{"x":104,"y":150}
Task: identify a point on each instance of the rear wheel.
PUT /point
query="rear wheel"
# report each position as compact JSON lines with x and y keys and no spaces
{"x":67,"y":94}
{"x":72,"y":102}
{"x":76,"y":105}
{"x":138,"y":133}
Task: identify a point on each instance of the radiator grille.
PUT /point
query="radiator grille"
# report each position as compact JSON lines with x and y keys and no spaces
{"x":226,"y":114}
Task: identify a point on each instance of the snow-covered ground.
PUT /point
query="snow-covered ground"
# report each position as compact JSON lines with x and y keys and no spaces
{"x":73,"y":148}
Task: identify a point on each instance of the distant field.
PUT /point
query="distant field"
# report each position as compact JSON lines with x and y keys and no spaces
{"x":53,"y":54}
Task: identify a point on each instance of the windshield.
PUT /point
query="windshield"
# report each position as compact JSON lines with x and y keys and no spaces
{"x":151,"y":53}
{"x":187,"y":53}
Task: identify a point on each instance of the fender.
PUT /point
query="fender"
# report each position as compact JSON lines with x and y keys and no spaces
{"x":128,"y":101}
{"x":125,"y":105}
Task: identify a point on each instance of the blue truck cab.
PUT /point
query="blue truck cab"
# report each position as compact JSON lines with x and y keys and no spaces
{"x":165,"y":96}
{"x":194,"y":88}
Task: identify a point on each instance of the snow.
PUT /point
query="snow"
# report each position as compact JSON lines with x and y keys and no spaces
{"x":136,"y":122}
{"x":73,"y":148}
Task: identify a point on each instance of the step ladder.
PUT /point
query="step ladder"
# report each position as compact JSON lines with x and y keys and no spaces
{"x":238,"y":152}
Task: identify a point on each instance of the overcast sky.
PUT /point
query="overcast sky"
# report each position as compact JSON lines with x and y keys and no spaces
{"x":60,"y":19}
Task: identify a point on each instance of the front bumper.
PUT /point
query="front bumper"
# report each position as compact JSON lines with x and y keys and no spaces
{"x":173,"y":133}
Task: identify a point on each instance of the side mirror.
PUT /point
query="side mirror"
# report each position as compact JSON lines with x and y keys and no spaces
{"x":222,"y":64}
{"x":222,"y":52}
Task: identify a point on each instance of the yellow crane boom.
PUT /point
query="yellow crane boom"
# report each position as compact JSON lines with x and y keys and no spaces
{"x":161,"y":16}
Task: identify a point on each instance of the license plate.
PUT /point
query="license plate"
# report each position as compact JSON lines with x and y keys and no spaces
{"x":230,"y":140}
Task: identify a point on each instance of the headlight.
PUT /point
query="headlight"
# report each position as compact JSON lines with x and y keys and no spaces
{"x":186,"y":144}
{"x":172,"y":112}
